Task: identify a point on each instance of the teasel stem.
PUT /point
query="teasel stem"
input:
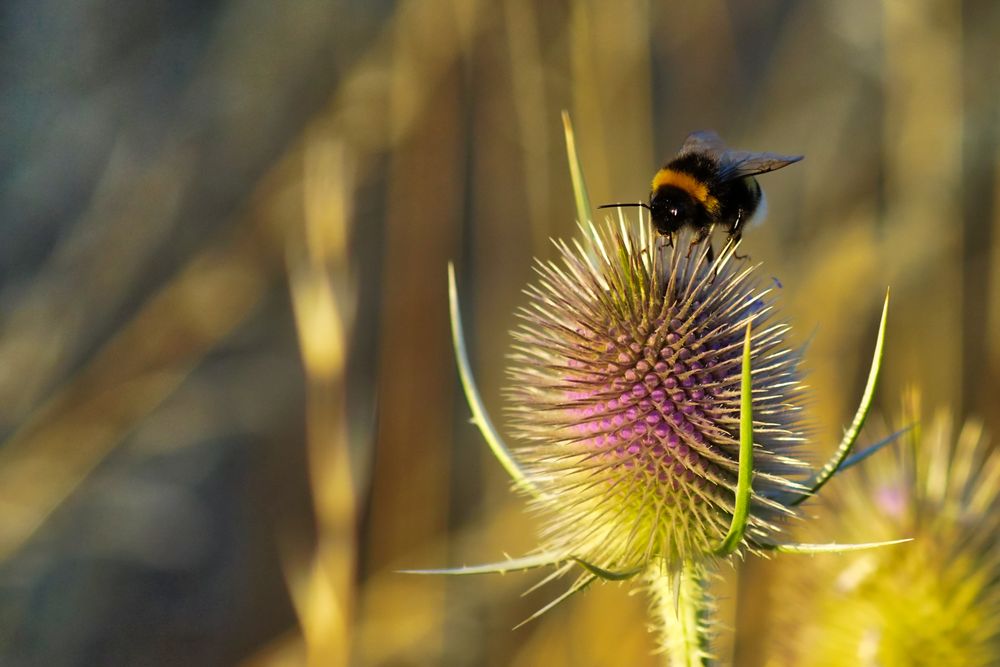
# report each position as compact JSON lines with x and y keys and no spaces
{"x":681,"y":606}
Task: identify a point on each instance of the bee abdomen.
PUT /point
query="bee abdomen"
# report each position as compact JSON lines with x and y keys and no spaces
{"x":739,"y":201}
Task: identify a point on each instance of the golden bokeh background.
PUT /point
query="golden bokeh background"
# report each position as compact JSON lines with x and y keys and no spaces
{"x":228,"y":401}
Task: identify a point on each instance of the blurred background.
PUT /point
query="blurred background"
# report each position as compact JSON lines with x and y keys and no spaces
{"x":228,"y":402}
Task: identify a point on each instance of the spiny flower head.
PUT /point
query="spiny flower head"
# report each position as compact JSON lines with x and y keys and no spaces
{"x":933,"y":601}
{"x":626,"y":398}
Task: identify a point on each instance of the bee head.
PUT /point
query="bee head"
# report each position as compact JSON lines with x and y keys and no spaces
{"x":671,"y":208}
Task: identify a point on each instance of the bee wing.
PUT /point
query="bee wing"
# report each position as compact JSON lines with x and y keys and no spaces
{"x":705,"y":142}
{"x":740,"y":164}
{"x":733,"y":164}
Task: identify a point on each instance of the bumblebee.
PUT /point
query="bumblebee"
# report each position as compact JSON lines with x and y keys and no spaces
{"x":706,"y":185}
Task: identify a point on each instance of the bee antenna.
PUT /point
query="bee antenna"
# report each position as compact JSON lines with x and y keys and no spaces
{"x":642,"y":204}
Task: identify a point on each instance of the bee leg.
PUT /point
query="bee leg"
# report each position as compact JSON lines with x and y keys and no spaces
{"x":694,"y":244}
{"x":665,"y":240}
{"x":736,"y":234}
{"x":735,"y":240}
{"x":703,"y":233}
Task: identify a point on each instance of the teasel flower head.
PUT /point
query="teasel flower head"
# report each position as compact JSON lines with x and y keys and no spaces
{"x":625,"y":397}
{"x":935,"y":601}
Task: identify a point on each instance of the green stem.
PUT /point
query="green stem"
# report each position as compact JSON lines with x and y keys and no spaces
{"x":682,"y":606}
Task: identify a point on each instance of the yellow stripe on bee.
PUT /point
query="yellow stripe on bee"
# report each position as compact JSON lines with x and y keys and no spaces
{"x":688,"y":184}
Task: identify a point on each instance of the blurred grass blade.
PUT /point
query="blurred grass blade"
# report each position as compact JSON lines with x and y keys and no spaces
{"x":479,"y":416}
{"x":741,"y":512}
{"x":851,"y":435}
{"x":323,"y":304}
{"x":509,"y":565}
{"x":576,"y":173}
{"x":578,"y":586}
{"x":834,"y":548}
